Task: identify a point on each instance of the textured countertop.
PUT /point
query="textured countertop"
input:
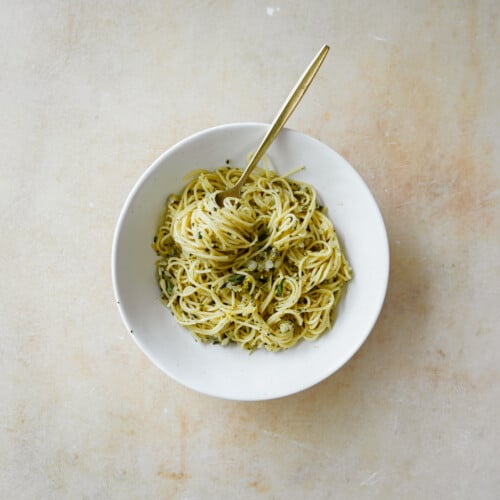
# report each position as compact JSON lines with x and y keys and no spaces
{"x":92,"y":92}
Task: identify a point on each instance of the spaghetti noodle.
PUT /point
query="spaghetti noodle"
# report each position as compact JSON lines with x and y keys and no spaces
{"x":263,"y":271}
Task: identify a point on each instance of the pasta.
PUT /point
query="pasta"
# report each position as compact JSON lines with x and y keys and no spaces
{"x":263,"y":271}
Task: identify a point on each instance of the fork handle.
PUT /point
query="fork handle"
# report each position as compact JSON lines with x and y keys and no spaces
{"x":285,"y":112}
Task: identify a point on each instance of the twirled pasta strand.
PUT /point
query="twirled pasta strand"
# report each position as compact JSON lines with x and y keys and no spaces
{"x":263,"y":271}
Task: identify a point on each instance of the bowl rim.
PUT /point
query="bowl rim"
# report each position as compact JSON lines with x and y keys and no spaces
{"x":119,"y":224}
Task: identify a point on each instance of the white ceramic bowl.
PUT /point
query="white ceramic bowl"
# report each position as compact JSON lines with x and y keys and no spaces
{"x":230,"y":372}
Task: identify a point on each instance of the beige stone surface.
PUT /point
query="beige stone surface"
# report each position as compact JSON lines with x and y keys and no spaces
{"x":92,"y":92}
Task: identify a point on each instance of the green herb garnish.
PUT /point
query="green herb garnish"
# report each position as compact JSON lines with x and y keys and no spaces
{"x":169,"y":285}
{"x":263,"y":234}
{"x":279,"y":288}
{"x":236,"y":278}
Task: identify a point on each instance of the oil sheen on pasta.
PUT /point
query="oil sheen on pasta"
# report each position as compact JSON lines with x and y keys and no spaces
{"x":263,"y":271}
